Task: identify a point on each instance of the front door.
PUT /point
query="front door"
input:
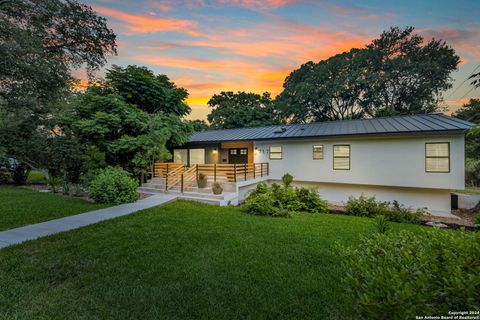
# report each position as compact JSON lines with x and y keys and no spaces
{"x":237,"y":155}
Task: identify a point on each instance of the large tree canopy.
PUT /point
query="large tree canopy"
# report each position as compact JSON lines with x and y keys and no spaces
{"x":398,"y":73}
{"x":115,"y":125}
{"x":239,"y":110}
{"x":41,"y":41}
{"x":471,"y":112}
{"x":149,"y":92}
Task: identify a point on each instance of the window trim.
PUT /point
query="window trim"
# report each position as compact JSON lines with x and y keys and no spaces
{"x":443,"y":157}
{"x":342,"y":157}
{"x":313,"y":151}
{"x":270,"y":153}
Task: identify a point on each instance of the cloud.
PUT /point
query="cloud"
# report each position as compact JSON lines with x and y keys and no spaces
{"x":135,"y":23}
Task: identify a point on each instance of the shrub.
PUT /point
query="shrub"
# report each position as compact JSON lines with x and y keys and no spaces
{"x":477,"y":219}
{"x":113,"y":185}
{"x":368,"y":207}
{"x":311,"y":201}
{"x":279,"y":200}
{"x":265,"y":205}
{"x":401,"y":275}
{"x":381,"y":224}
{"x":55,"y":183}
{"x":287,"y":180}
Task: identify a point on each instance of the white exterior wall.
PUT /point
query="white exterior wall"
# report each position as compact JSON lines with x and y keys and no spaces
{"x":376,"y":165}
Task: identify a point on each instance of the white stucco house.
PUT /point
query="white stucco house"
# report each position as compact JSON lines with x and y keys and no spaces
{"x":416,"y":160}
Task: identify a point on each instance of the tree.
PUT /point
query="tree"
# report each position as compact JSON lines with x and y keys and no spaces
{"x":198,"y":125}
{"x":242,"y":109}
{"x":115,"y":125}
{"x":123,"y":134}
{"x":408,"y":74}
{"x":398,"y":73}
{"x":40,"y":42}
{"x":328,"y":90}
{"x":149,"y":92}
{"x":471,"y":112}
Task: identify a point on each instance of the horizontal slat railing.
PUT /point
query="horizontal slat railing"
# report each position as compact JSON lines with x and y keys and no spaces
{"x":176,"y":175}
{"x":161,"y":169}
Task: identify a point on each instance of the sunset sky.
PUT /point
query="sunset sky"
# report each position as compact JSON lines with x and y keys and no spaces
{"x":252,"y":45}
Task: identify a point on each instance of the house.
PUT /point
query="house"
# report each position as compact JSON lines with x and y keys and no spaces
{"x":415,"y":159}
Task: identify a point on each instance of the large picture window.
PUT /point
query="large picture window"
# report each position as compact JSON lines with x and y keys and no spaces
{"x":318,"y":152}
{"x":180,"y":155}
{"x":437,"y":157}
{"x":275,"y":152}
{"x":341,"y":157}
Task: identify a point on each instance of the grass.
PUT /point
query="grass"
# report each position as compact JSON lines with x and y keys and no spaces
{"x":184,"y":260}
{"x":20,"y":207}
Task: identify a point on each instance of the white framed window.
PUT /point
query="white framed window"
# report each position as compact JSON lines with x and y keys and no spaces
{"x":243,"y":151}
{"x":275,"y":152}
{"x":318,"y":152}
{"x":233,"y":151}
{"x":341,"y":157}
{"x":437,"y":157}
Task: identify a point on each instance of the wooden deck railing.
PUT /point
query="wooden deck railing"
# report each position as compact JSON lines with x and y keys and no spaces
{"x":161,"y":169}
{"x":177,"y":176}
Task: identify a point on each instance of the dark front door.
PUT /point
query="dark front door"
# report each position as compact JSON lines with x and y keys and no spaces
{"x":238,"y":155}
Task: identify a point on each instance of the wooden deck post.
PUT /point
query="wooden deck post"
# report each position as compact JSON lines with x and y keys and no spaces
{"x":181,"y":183}
{"x":254,"y":171}
{"x":245,"y":171}
{"x":215,"y":172}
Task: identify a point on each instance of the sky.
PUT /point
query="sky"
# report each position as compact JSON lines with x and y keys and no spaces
{"x":252,"y":45}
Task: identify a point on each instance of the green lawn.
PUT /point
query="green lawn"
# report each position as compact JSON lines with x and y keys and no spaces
{"x":19,"y":207}
{"x":184,"y":260}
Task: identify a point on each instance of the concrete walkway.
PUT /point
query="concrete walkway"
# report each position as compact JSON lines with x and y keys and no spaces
{"x":34,"y":231}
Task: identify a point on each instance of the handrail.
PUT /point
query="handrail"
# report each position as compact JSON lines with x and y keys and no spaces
{"x":174,"y":177}
{"x":161,"y":169}
{"x":189,"y":177}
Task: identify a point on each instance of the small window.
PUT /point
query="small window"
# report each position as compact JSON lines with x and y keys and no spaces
{"x":341,"y":157}
{"x":276,"y":153}
{"x":243,"y":151}
{"x":233,"y":151}
{"x":318,"y":152}
{"x":437,"y":157}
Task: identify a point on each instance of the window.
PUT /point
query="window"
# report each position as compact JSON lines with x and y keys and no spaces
{"x":180,"y":155}
{"x":341,"y":157}
{"x":243,"y":151}
{"x":233,"y":151}
{"x":437,"y":157}
{"x":275,"y":152}
{"x":197,"y":156}
{"x":318,"y":152}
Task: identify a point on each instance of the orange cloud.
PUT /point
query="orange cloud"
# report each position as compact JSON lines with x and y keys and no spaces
{"x":147,"y":24}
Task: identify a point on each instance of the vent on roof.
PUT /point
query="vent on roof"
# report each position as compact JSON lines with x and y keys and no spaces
{"x":282,"y":130}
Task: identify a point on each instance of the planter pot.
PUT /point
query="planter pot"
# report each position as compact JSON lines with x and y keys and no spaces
{"x":202,"y":183}
{"x":217,"y":189}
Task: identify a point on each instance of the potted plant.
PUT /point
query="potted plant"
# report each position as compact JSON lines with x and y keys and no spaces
{"x":202,"y":180}
{"x":217,"y":188}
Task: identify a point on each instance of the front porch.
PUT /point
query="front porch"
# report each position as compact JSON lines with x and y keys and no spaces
{"x":232,"y":152}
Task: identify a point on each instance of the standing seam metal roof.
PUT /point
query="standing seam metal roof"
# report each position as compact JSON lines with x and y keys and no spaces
{"x":422,"y":123}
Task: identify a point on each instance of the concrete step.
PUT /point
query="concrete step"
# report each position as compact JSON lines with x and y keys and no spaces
{"x":214,"y":202}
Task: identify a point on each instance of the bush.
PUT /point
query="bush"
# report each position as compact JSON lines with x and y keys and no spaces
{"x":279,"y":200}
{"x":113,"y":185}
{"x":368,"y":207}
{"x":265,"y":205}
{"x":55,"y":183}
{"x":311,"y":201}
{"x":477,"y":219}
{"x":399,"y":276}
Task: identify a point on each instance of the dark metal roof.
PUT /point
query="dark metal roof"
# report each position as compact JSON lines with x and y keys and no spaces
{"x":422,"y":123}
